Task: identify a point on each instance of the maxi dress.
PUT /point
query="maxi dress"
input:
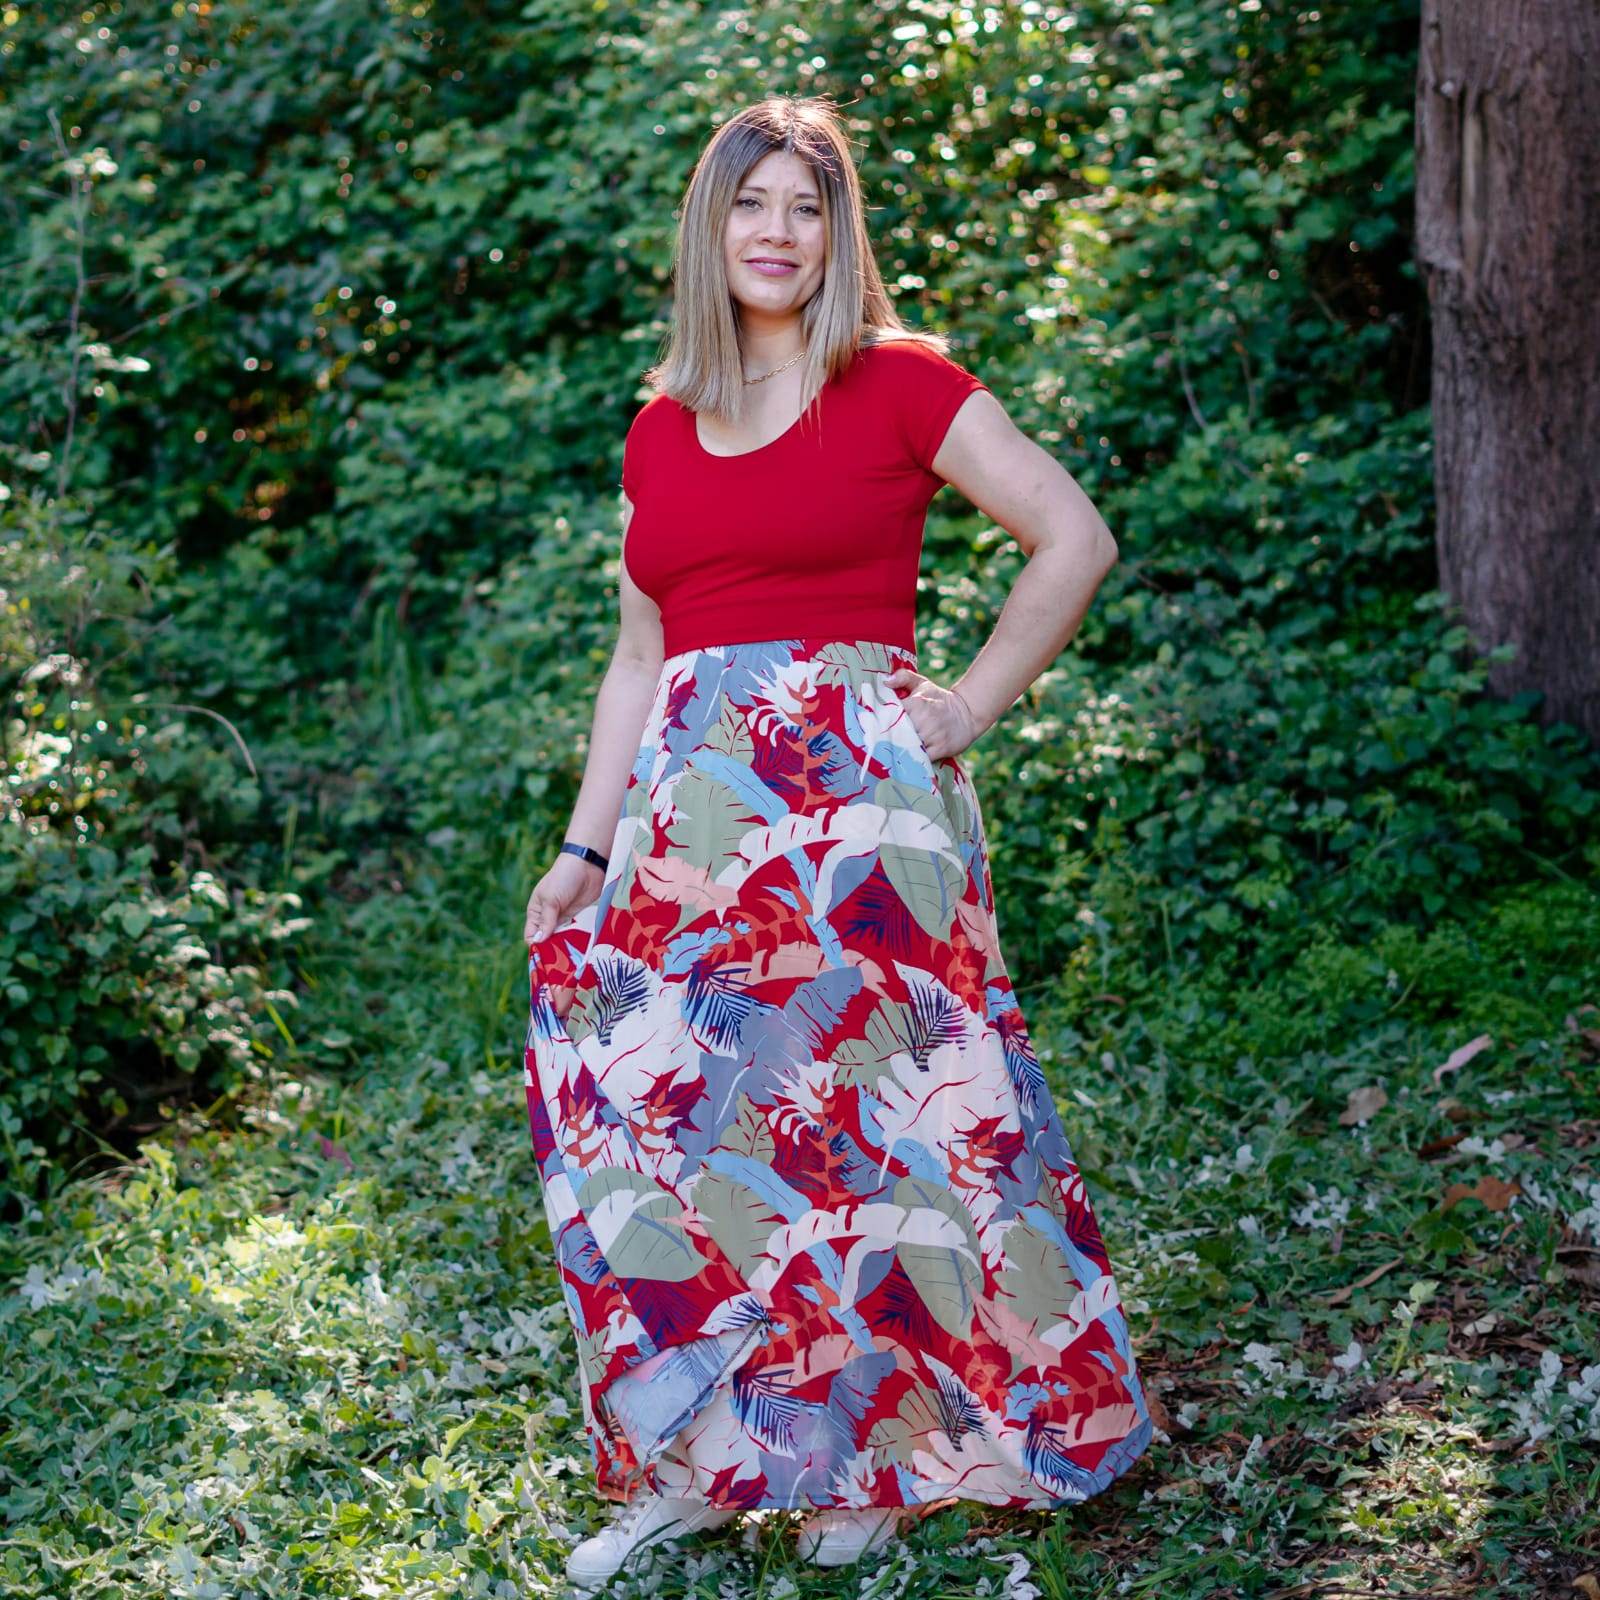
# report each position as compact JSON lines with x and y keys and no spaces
{"x":818,"y":1225}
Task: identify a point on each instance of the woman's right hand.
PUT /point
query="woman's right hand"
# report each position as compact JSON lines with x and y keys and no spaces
{"x":568,"y":886}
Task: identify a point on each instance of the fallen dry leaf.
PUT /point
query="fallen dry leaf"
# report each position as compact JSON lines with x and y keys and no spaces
{"x":1158,"y":1412}
{"x":1588,"y":1037}
{"x":1588,"y":1586}
{"x":1362,"y":1105}
{"x":1339,"y":1296}
{"x":1585,"y":1272}
{"x":1495,"y":1193}
{"x":1457,"y":1059}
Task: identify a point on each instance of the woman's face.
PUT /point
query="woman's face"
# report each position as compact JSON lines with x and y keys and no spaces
{"x":774,"y":247}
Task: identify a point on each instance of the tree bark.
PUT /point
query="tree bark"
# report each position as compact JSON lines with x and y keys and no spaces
{"x":1508,"y":240}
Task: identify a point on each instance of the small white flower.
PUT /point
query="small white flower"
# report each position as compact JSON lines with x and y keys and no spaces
{"x":1351,"y":1359}
{"x":34,"y":1289}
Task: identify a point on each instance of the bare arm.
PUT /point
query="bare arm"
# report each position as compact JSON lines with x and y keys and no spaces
{"x":621,"y":708}
{"x":1069,"y":549}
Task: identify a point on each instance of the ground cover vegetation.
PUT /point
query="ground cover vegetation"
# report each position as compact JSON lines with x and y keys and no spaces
{"x":321,"y":326}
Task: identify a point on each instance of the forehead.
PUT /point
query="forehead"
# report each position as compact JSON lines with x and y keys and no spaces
{"x":779,"y":170}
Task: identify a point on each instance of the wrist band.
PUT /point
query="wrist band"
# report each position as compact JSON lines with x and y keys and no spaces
{"x":584,"y":853}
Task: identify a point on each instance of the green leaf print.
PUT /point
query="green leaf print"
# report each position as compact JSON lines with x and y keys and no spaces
{"x":592,"y":1355}
{"x":929,"y":882}
{"x":604,"y":1182}
{"x":651,"y":1246}
{"x":913,"y":1193}
{"x":897,"y":1436}
{"x":731,"y":737}
{"x":1037,"y":1277}
{"x":956,"y":804}
{"x":736,"y":1217}
{"x":649,"y":1242}
{"x":711,"y":822}
{"x":749,"y":1134}
{"x":948,"y":1282}
{"x":949,"y":1278}
{"x":861,"y":1062}
{"x":845,"y":663}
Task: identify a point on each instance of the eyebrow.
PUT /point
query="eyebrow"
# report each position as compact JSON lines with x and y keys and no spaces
{"x":800,"y":194}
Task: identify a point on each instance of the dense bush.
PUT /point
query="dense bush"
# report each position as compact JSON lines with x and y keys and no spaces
{"x":131,"y":972}
{"x":323,"y":327}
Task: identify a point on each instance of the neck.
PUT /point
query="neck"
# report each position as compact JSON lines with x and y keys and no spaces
{"x":765,"y":342}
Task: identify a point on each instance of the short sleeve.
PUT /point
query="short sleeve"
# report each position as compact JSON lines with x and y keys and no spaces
{"x":632,"y":450}
{"x":930,"y":389}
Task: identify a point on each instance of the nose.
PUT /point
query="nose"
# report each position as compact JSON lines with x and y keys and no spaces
{"x":775,"y":229}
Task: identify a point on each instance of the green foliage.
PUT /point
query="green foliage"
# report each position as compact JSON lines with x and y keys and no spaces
{"x":128,"y":970}
{"x":325,"y":1353}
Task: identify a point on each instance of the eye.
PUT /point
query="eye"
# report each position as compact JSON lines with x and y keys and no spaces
{"x":747,"y":200}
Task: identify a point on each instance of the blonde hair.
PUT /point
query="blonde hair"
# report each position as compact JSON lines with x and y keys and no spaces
{"x":702,"y":367}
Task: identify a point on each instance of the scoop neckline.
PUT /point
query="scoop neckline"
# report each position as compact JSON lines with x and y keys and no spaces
{"x":740,"y":455}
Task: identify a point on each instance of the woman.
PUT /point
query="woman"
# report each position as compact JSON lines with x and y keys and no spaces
{"x":819,"y":1228}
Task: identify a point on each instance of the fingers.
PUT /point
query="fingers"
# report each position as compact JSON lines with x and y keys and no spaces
{"x":543,"y":915}
{"x":567,"y":886}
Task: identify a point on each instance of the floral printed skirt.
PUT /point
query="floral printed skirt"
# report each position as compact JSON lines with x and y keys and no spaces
{"x":818,"y":1226}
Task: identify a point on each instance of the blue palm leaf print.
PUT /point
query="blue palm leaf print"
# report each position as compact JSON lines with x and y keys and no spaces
{"x":937,"y":1018}
{"x":876,"y":911}
{"x":904,"y":1308}
{"x":959,"y":1410}
{"x":1048,"y":1459}
{"x":765,"y":1404}
{"x":621,"y":985}
{"x":717,"y":1002}
{"x":1022,"y":1065}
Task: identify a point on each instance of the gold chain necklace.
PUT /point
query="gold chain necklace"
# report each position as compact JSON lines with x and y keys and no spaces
{"x":782,"y":366}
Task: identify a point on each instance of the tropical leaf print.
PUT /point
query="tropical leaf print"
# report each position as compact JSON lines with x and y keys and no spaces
{"x":717,"y":1000}
{"x":1037,"y":1274}
{"x":638,"y":1226}
{"x":767,"y":1406}
{"x":947,"y":1277}
{"x":730,"y":736}
{"x":928,"y":881}
{"x":887,"y":1033}
{"x":709,"y":822}
{"x":874,"y":912}
{"x":807,"y":1184}
{"x":913,"y":1420}
{"x":904,"y":1310}
{"x":948,"y":1282}
{"x":1050,"y":1459}
{"x":1022,"y":1065}
{"x":736,"y":1217}
{"x":749,"y":1134}
{"x":936,"y":1018}
{"x":960,"y":1410}
{"x":619,"y":987}
{"x":848,"y":664}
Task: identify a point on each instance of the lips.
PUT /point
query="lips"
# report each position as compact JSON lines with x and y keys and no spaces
{"x":772,"y":266}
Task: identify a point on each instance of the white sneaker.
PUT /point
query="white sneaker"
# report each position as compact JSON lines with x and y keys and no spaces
{"x":647,"y":1519}
{"x":837,"y":1538}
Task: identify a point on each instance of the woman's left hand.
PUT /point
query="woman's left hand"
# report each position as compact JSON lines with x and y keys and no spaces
{"x":945,"y":723}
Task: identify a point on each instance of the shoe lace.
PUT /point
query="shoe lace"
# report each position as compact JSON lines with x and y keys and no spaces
{"x":627,"y":1520}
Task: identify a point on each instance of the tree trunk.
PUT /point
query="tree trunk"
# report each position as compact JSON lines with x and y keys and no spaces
{"x":1508,"y":239}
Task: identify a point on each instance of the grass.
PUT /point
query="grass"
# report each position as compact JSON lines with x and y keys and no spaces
{"x":318,"y":1349}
